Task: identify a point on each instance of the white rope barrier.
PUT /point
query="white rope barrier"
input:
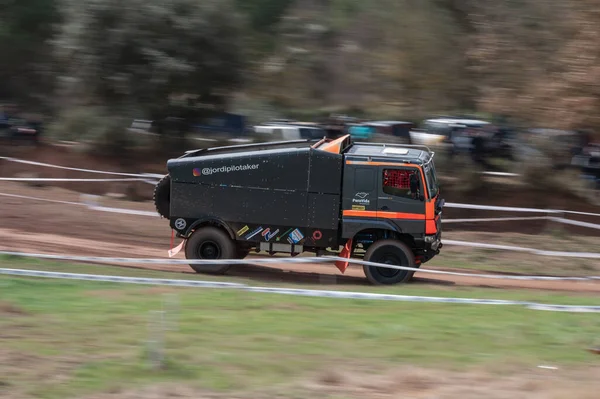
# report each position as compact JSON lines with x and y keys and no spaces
{"x":55,"y":179}
{"x":507,"y":219}
{"x":88,"y":205}
{"x":585,"y":255}
{"x":103,"y":172}
{"x":516,"y":209}
{"x":290,"y":260}
{"x":302,"y":292}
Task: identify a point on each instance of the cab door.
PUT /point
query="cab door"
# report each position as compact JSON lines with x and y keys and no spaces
{"x":401,"y":198}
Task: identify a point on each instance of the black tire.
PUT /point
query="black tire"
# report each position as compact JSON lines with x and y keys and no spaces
{"x":390,"y":252}
{"x":242,"y":253}
{"x":210,"y":243}
{"x":162,"y":197}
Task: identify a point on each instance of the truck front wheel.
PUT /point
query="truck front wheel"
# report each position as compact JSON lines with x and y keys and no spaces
{"x":210,"y":243}
{"x":391,"y":252}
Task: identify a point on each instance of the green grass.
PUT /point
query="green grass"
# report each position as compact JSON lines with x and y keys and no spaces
{"x":62,"y":338}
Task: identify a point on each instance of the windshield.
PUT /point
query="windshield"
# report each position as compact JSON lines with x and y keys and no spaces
{"x":431,"y":178}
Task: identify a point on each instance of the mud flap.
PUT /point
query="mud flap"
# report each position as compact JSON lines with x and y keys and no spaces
{"x":177,"y":249}
{"x":346,"y":252}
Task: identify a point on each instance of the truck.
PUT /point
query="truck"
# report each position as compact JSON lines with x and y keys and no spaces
{"x":378,"y":202}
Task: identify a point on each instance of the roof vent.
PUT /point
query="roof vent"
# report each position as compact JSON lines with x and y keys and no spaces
{"x":397,"y":151}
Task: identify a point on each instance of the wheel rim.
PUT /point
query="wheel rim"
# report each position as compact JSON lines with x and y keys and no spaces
{"x":389,"y":259}
{"x":209,"y":250}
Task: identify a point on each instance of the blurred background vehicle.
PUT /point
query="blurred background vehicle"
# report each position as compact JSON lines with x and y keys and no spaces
{"x":16,"y":129}
{"x":289,"y":131}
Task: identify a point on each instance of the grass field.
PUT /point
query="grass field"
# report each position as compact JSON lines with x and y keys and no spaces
{"x":83,"y":339}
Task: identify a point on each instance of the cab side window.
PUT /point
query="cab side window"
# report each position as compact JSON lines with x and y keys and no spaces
{"x":402,"y":183}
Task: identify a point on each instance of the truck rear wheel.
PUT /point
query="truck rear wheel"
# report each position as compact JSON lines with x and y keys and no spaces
{"x":391,"y":252}
{"x":210,"y":243}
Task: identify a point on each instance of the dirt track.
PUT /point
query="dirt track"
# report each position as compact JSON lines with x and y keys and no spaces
{"x":45,"y":227}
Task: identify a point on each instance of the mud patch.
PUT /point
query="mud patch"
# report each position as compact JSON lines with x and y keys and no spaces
{"x":401,"y":382}
{"x":21,"y":371}
{"x":10,"y":309}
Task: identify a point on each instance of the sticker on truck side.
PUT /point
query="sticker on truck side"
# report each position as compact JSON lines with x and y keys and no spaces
{"x":224,"y":169}
{"x":361,"y":198}
{"x":255,"y":232}
{"x":270,"y":235}
{"x":295,"y":237}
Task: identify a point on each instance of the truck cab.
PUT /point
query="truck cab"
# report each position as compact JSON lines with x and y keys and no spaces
{"x":372,"y":201}
{"x":391,"y":192}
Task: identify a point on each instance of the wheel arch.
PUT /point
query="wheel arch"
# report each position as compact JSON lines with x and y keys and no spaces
{"x":213,"y":222}
{"x":352,"y":227}
{"x":383,"y":234}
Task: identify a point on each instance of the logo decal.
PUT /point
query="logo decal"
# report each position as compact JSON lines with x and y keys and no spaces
{"x":361,"y":198}
{"x":264,"y":233}
{"x":284,"y":234}
{"x":180,"y":224}
{"x":295,"y":237}
{"x":271,"y":235}
{"x":243,"y":230}
{"x":317,"y":235}
{"x":224,"y":169}
{"x":255,"y":232}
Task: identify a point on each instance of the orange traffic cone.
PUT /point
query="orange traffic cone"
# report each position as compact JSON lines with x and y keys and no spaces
{"x":346,"y":252}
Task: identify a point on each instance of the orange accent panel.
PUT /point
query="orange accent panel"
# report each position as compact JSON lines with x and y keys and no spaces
{"x":373,"y":163}
{"x":366,"y":214}
{"x":385,"y":215}
{"x":430,"y":227}
{"x":430,"y":209}
{"x":334,"y":146}
{"x":400,"y":215}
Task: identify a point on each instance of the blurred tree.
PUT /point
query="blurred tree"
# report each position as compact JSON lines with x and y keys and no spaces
{"x":26,"y":26}
{"x":531,"y":60}
{"x":139,"y":55}
{"x":536,"y":60}
{"x":264,"y":15}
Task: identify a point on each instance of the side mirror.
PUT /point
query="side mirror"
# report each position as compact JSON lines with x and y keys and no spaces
{"x":415,"y":186}
{"x":414,"y":183}
{"x":440,"y":206}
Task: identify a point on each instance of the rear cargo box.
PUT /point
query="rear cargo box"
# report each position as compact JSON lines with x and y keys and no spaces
{"x":297,"y":187}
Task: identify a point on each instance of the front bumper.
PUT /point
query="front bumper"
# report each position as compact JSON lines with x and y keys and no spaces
{"x":434,"y":242}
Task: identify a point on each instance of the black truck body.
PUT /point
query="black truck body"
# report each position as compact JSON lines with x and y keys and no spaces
{"x":262,"y":196}
{"x":309,"y":196}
